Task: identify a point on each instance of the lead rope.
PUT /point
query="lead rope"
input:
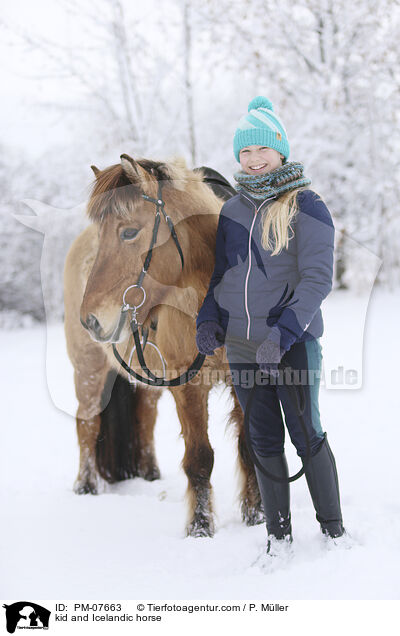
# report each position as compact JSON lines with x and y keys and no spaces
{"x":299,"y":404}
{"x":153,"y":380}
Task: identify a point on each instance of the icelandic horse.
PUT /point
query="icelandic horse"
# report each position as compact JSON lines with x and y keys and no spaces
{"x":116,"y":417}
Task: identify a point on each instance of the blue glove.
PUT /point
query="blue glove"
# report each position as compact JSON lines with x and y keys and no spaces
{"x":209,"y":336}
{"x":269,"y":353}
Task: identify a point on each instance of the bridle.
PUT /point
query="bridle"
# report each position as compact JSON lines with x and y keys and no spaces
{"x":152,"y":380}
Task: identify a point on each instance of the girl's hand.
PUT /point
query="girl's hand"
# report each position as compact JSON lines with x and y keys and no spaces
{"x":209,"y":336}
{"x":269,"y":353}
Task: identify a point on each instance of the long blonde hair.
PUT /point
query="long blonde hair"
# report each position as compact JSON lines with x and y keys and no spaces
{"x":276,"y":220}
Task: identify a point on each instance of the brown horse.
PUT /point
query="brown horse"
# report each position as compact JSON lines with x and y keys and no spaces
{"x":116,"y":418}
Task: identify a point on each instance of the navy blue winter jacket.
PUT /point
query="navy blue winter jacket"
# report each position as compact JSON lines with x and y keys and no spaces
{"x":250,"y":290}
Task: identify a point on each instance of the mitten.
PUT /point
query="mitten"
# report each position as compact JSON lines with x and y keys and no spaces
{"x":209,"y":336}
{"x":269,"y":353}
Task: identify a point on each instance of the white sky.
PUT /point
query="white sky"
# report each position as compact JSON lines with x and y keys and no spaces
{"x":26,"y":85}
{"x":20,"y":83}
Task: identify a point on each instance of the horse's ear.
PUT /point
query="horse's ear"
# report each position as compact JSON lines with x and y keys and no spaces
{"x":131,"y":168}
{"x":95,"y":170}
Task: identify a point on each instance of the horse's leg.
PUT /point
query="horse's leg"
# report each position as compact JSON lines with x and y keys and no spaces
{"x":87,"y":480}
{"x":250,"y":500}
{"x":90,"y":379}
{"x":146,"y":415}
{"x":198,"y":461}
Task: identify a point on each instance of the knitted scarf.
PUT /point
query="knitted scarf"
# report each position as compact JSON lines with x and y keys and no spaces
{"x":287,"y":177}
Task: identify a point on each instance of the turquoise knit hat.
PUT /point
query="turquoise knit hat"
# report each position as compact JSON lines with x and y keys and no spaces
{"x":261,"y":127}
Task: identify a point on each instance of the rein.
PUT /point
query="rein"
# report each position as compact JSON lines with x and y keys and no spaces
{"x":299,"y":404}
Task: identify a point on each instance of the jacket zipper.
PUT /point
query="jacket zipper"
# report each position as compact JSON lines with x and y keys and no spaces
{"x":249,"y":267}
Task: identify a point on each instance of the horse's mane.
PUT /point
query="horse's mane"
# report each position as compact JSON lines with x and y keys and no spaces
{"x":113,"y":192}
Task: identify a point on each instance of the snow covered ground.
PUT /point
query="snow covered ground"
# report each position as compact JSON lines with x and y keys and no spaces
{"x":128,"y":543}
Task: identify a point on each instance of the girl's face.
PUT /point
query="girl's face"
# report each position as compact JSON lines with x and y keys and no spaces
{"x":259,"y":159}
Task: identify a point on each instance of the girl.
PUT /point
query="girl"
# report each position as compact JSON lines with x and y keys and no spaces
{"x":273,"y":268}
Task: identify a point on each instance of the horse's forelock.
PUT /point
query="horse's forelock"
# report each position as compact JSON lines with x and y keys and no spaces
{"x":112,"y":193}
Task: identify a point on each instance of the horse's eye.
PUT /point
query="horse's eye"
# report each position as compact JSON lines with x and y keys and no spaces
{"x":128,"y":233}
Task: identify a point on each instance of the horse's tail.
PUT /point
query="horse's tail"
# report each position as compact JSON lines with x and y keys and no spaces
{"x":116,"y":448}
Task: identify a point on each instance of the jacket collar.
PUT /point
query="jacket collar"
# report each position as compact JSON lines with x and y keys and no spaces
{"x":248,"y":200}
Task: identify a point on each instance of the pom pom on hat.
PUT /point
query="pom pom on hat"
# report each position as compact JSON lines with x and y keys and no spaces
{"x":260,"y":102}
{"x":261,"y":126}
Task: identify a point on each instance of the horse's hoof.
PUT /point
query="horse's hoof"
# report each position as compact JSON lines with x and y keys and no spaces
{"x":202,"y":527}
{"x":85,"y":488}
{"x":253,"y":516}
{"x":151,"y":474}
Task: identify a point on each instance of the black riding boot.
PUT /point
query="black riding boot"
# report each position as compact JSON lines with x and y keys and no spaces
{"x":323,"y":484}
{"x":275,"y":496}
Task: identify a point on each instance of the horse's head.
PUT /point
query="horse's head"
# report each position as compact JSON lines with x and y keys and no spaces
{"x":126,"y":222}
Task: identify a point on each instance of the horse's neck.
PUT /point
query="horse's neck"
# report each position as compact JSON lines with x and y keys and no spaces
{"x":200,"y":255}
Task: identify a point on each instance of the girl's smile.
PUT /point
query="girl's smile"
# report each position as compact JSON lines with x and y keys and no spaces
{"x":259,"y":159}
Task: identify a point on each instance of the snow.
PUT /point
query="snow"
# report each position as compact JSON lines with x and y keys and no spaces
{"x":129,"y":542}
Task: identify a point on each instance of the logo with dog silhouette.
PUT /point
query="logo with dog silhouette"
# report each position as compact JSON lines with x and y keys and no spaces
{"x":26,"y":615}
